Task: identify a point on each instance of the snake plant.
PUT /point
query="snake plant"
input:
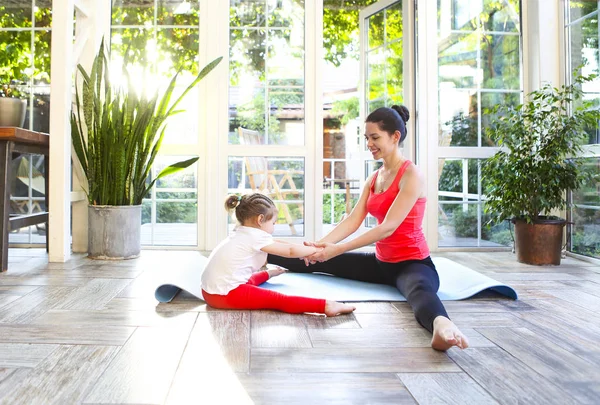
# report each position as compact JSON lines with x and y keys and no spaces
{"x":123,"y":133}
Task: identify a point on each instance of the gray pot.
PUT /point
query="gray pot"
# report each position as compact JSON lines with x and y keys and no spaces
{"x":114,"y":231}
{"x":12,"y":112}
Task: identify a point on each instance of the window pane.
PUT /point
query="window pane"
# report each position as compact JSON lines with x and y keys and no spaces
{"x":178,"y":12}
{"x":585,"y":214}
{"x":43,"y":13}
{"x":501,"y":62}
{"x":15,"y":14}
{"x":580,"y":8}
{"x":375,"y":25}
{"x":376,"y":74}
{"x":247,"y":13}
{"x":177,"y":49}
{"x":28,"y":190}
{"x":140,"y":46}
{"x":41,"y":109}
{"x":393,"y":22}
{"x":395,"y":72}
{"x":489,"y":100}
{"x":266,"y":71}
{"x":41,"y":59}
{"x":458,"y":117}
{"x":285,"y":13}
{"x":280,"y":178}
{"x":466,"y":225}
{"x":132,"y":12}
{"x":457,"y":60}
{"x":500,"y":15}
{"x":169,"y":213}
{"x":15,"y":48}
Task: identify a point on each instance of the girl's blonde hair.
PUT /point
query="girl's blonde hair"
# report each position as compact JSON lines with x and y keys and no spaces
{"x":248,"y":206}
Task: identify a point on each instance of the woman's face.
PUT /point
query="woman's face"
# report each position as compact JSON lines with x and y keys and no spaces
{"x":380,"y":143}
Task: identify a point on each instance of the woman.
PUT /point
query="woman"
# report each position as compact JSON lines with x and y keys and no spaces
{"x":395,"y":195}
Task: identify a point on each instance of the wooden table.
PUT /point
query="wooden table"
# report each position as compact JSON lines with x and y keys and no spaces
{"x":16,"y":141}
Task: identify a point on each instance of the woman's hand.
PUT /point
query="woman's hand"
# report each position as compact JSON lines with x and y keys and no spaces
{"x":327,"y":251}
{"x":307,"y":260}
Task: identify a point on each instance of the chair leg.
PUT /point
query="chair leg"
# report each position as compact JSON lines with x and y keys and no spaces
{"x":5,"y":156}
{"x":47,"y":197}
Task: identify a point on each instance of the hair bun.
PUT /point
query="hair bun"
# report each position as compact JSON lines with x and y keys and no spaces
{"x":403,"y":111}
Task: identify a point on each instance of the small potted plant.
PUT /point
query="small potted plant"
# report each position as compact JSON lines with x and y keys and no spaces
{"x":116,"y":136}
{"x":12,"y":106}
{"x":528,"y":179}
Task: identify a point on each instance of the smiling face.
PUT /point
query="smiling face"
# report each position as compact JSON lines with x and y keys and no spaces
{"x":380,"y":143}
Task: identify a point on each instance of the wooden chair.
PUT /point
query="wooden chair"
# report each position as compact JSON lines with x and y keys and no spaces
{"x":264,"y":180}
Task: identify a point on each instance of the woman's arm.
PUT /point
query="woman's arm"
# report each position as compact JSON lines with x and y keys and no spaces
{"x":350,"y":224}
{"x":291,"y":250}
{"x":410,"y":190}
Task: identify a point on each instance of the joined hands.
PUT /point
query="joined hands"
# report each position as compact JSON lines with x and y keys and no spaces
{"x":325,"y":251}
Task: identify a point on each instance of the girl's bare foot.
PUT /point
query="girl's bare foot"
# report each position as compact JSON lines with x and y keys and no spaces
{"x":446,"y":335}
{"x":333,"y":308}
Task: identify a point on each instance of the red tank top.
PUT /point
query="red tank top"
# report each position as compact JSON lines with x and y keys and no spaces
{"x":408,"y":241}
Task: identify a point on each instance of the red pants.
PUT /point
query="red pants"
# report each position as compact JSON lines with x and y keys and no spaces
{"x":249,"y":296}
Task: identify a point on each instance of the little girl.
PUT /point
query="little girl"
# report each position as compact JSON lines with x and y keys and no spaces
{"x":231,"y":278}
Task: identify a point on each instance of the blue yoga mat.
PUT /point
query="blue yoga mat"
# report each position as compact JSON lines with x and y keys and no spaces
{"x":457,"y":282}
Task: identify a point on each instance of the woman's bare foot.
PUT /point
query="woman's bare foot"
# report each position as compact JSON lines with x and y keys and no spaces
{"x":446,"y":335}
{"x":333,"y":308}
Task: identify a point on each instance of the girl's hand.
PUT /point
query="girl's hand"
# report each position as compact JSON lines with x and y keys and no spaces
{"x":307,"y":260}
{"x":275,"y":270}
{"x":327,"y":251}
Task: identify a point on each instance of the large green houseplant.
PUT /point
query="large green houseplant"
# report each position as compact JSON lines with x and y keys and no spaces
{"x":529,"y":177}
{"x":117,"y":134}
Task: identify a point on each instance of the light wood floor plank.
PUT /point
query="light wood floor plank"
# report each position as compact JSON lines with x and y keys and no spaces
{"x":511,"y":277}
{"x":23,"y":355}
{"x":19,"y":290}
{"x":357,"y":360}
{"x":375,"y":307}
{"x":411,"y":337}
{"x":143,"y":370}
{"x":62,"y":317}
{"x":95,"y":294}
{"x":581,"y":340}
{"x":278,"y":329}
{"x":332,"y":389}
{"x":64,"y":377}
{"x":57,"y":281}
{"x":330,"y":322}
{"x":34,"y":304}
{"x":84,"y":335}
{"x":577,"y":297}
{"x":445,"y":388}
{"x":508,"y":379}
{"x":218,"y":347}
{"x":549,"y":360}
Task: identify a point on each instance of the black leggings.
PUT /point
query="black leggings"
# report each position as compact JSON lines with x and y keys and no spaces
{"x":417,"y":280}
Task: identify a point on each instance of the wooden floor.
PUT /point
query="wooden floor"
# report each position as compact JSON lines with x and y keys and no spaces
{"x":90,"y":332}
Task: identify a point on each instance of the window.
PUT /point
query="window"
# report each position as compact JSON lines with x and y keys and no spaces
{"x":479,"y":66}
{"x":25,"y":39}
{"x":582,"y":34}
{"x":158,"y":39}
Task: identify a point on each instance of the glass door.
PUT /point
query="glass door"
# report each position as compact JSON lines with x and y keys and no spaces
{"x":266,"y":139}
{"x":383,"y":69}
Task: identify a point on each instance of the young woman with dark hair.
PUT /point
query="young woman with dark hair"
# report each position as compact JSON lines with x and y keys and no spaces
{"x":395,"y":196}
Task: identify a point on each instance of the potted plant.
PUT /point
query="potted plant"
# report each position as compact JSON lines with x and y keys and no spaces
{"x":12,"y":106}
{"x":116,"y":136}
{"x":529,"y":177}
